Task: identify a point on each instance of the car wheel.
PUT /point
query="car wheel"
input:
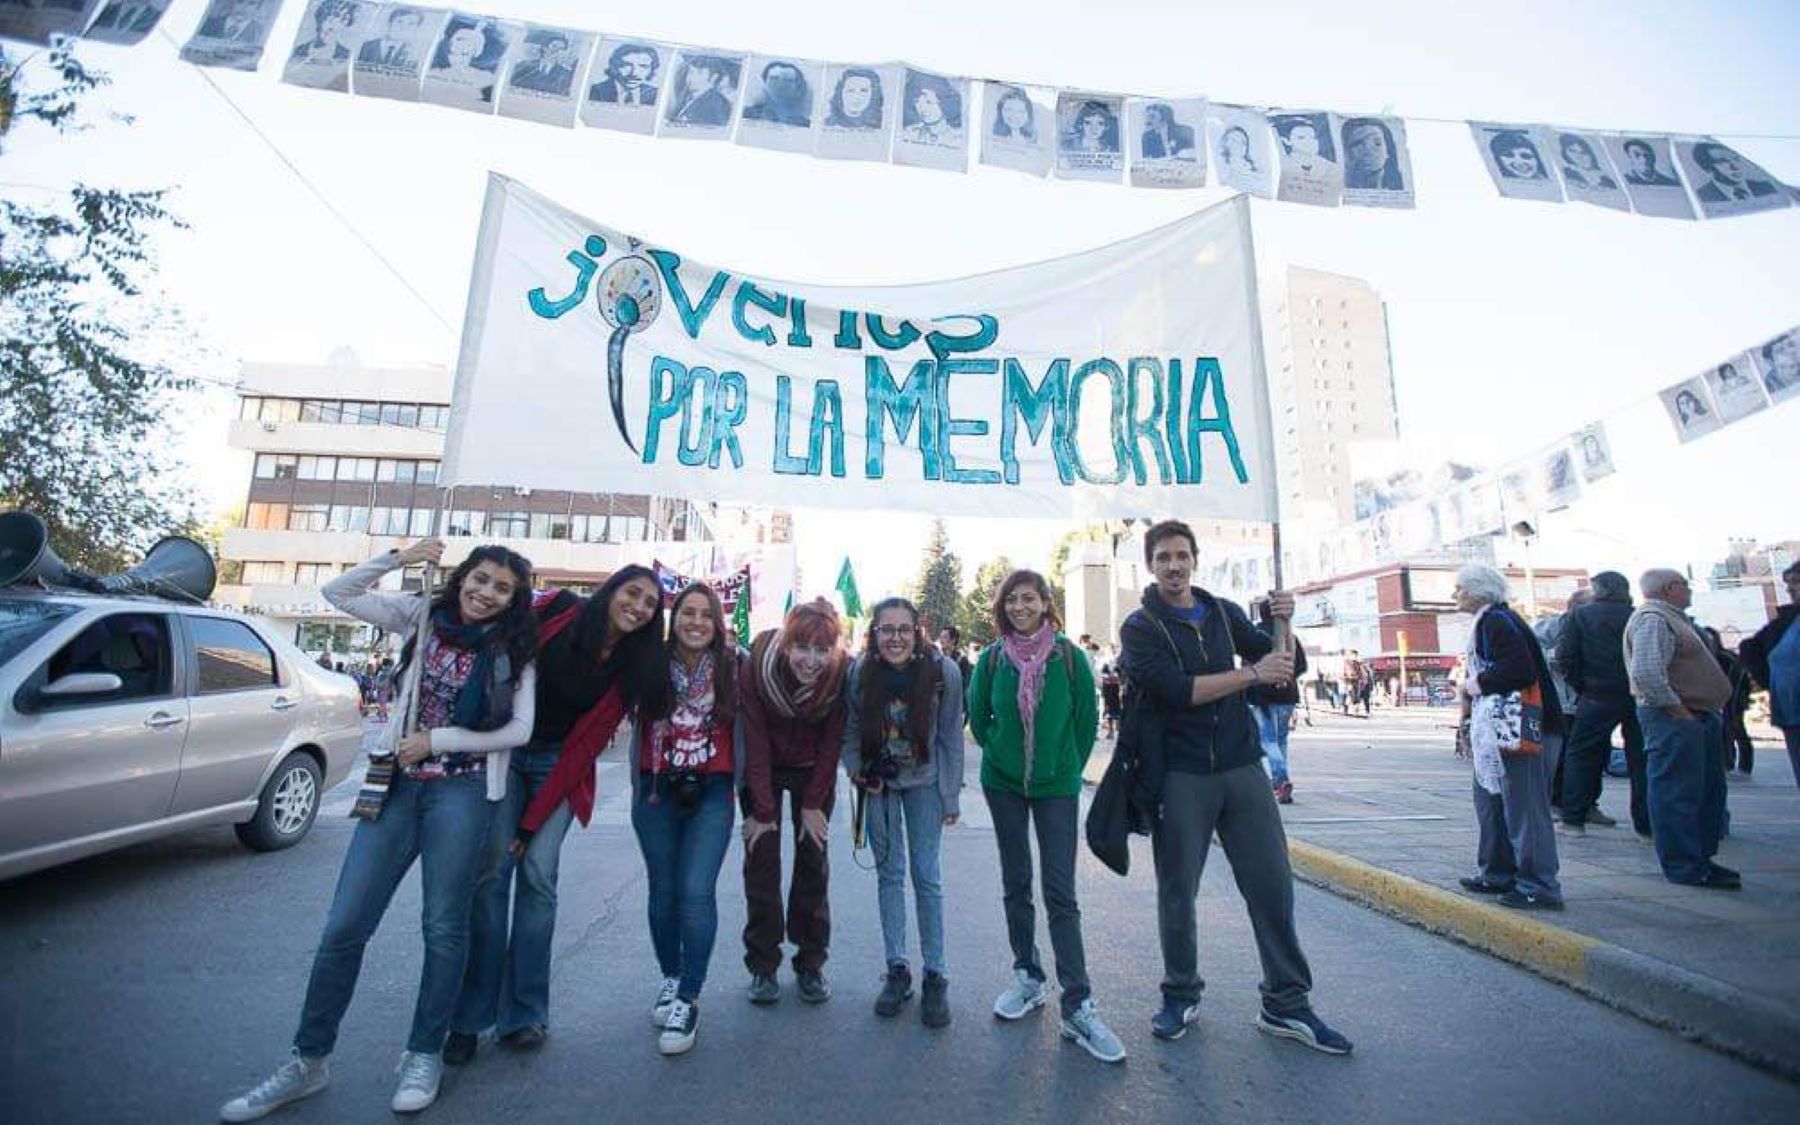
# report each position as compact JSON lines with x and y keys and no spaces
{"x":285,"y":811}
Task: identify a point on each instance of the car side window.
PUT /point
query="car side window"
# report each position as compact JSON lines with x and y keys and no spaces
{"x":231,"y":656}
{"x":131,"y":646}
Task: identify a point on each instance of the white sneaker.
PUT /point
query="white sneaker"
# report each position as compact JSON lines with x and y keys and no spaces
{"x":1023,"y":996}
{"x":296,"y":1078}
{"x":679,"y":1033}
{"x":1086,"y":1028}
{"x":420,"y":1075}
{"x":665,"y":996}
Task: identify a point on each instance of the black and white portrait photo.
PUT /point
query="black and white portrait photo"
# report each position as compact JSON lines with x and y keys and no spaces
{"x":544,"y":75}
{"x":1690,"y":409}
{"x":1017,"y":131}
{"x":780,"y":103}
{"x":1377,"y":165}
{"x":1514,"y":157}
{"x":1310,"y":172}
{"x":1592,"y":453}
{"x":1588,"y":175}
{"x":1168,"y":142}
{"x":1647,"y":166}
{"x":391,"y":61}
{"x":1778,"y":362}
{"x":934,"y":127}
{"x":1090,"y":142}
{"x":126,"y":21}
{"x":702,"y":95}
{"x":1734,"y":387}
{"x":858,"y":112}
{"x":1243,"y":150}
{"x":1725,"y":181}
{"x":329,"y":35}
{"x":36,"y":21}
{"x":1561,"y":484}
{"x":624,"y":85}
{"x":231,"y":34}
{"x":466,"y":62}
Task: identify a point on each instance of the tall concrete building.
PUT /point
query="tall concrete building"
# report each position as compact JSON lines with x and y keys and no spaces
{"x":1333,"y":388}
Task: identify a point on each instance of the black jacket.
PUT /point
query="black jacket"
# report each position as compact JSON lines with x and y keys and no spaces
{"x":1213,"y":737}
{"x":1754,"y":652}
{"x":1515,"y":661}
{"x":1591,"y":655}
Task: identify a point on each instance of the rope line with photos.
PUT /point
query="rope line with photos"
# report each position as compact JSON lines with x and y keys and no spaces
{"x":848,"y":110}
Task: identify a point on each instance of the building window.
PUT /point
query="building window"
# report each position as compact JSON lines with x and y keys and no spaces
{"x":433,"y":417}
{"x":264,"y":573}
{"x":318,"y":468}
{"x":266,"y":517}
{"x":546,"y":525}
{"x":250,"y":408}
{"x":308,"y":517}
{"x":428,"y":471}
{"x":348,"y":517}
{"x":467,"y":523}
{"x":314,"y":574}
{"x":356,"y":468}
{"x":390,"y":414}
{"x":624,"y":529}
{"x":400,"y":472}
{"x":509,"y":525}
{"x":421,"y":521}
{"x":265,"y":466}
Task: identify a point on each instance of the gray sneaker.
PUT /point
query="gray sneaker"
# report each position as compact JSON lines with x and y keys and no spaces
{"x":420,"y":1076}
{"x":764,"y":989}
{"x":1087,"y":1029}
{"x":1022,"y":997}
{"x":297,"y":1078}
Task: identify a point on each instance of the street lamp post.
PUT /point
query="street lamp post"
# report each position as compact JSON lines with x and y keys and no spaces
{"x":1526,"y":533}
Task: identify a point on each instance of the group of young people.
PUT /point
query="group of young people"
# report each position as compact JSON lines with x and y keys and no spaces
{"x":506,"y":699}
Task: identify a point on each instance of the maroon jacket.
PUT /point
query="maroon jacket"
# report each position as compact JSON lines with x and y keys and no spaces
{"x":773,"y":742}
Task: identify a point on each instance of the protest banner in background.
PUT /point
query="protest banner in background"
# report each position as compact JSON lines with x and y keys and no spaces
{"x":1123,"y":381}
{"x":730,"y":587}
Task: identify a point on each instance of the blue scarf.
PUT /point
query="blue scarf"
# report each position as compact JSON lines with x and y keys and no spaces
{"x":472,"y":698}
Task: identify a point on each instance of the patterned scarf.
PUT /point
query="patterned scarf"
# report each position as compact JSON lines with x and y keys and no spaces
{"x":768,"y":663}
{"x":684,"y":741}
{"x":1030,"y":655}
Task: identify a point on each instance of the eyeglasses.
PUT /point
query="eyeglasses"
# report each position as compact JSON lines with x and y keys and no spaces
{"x":889,"y":631}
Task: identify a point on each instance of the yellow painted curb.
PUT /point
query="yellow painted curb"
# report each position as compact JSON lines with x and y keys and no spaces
{"x":1551,"y":950}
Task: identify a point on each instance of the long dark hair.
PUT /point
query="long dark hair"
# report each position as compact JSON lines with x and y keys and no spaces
{"x":517,"y":624}
{"x":641,"y":659}
{"x":724,"y":655}
{"x":922,"y":681}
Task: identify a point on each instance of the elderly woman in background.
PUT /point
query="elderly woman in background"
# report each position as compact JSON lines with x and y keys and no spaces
{"x":1512,"y":728}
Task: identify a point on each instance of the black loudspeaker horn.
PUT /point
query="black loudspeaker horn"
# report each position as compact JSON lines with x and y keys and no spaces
{"x":25,"y":554}
{"x":177,"y":567}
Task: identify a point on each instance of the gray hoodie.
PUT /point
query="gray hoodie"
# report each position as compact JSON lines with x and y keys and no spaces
{"x":944,"y":767}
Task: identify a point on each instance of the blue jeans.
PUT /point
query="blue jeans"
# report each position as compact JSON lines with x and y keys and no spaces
{"x":683,"y":851}
{"x":1272,"y":724}
{"x":507,"y":983}
{"x":1792,"y":734}
{"x":443,"y":824}
{"x":922,"y":810}
{"x":1687,"y":790}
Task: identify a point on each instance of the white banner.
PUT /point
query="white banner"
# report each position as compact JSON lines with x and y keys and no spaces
{"x":1125,"y":381}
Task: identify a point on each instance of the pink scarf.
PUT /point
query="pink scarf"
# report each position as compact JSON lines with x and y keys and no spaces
{"x":1030,"y":655}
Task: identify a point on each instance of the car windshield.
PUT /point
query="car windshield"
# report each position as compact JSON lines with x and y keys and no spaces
{"x":24,"y":622}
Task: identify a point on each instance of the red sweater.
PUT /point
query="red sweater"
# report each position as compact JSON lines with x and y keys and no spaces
{"x":774,"y":742}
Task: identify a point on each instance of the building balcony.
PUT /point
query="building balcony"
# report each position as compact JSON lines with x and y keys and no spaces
{"x":330,"y":438}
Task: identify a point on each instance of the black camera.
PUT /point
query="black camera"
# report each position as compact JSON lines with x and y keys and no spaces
{"x":684,"y":787}
{"x":881,"y":768}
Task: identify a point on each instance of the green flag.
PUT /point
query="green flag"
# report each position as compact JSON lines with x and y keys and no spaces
{"x":846,"y":585}
{"x":789,"y":606}
{"x":740,"y":616}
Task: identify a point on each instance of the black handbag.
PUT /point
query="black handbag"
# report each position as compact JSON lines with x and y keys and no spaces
{"x":1109,"y":817}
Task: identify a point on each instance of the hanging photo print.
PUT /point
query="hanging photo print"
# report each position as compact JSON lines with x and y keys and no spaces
{"x":330,"y":33}
{"x":1243,"y":149}
{"x":35,"y":21}
{"x":391,"y":63}
{"x":623,"y":85}
{"x":1561,"y":484}
{"x":703,"y":95}
{"x":1592,"y":452}
{"x":780,"y":104}
{"x":544,"y":75}
{"x":1017,"y":132}
{"x":1588,"y":174}
{"x":231,"y":34}
{"x":933,"y":122}
{"x":1725,"y":182}
{"x":1168,"y":142}
{"x":1650,"y":177}
{"x":859,"y":112}
{"x":466,"y":63}
{"x":1377,"y":165}
{"x":1779,"y":363}
{"x":1689,"y":408}
{"x":126,"y":22}
{"x":1090,"y":137}
{"x":1310,"y":172}
{"x":1514,"y":156}
{"x":1734,"y":388}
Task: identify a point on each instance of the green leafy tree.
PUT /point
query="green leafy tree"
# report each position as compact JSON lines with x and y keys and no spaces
{"x":83,"y":393}
{"x":976,"y":618}
{"x":938,"y":589}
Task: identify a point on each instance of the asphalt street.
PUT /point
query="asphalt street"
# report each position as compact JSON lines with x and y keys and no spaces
{"x":153,"y":984}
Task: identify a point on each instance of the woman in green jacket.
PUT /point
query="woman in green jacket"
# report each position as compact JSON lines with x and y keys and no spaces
{"x":1031,"y":707}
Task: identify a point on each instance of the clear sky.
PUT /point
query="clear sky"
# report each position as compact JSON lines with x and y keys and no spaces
{"x":1512,"y":322}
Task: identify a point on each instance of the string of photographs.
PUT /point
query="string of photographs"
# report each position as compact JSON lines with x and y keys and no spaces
{"x":895,"y":112}
{"x":1553,"y":477}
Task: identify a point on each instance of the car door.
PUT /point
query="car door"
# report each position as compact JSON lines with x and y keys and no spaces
{"x":78,"y":765}
{"x":242,"y":707}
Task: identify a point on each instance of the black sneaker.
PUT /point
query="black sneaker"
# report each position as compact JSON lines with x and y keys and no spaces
{"x":1524,"y":900}
{"x":1477,"y":885}
{"x":1176,"y":1016}
{"x":1598,"y":819}
{"x":1722,"y":879}
{"x":896,"y":990}
{"x":527,"y":1038}
{"x":459,"y":1048}
{"x":763,"y":989}
{"x":679,"y":1032}
{"x":1304,"y":1027}
{"x":934,"y":1002}
{"x":812,"y":988}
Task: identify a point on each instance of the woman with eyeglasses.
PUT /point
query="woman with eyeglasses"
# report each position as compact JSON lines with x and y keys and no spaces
{"x":903,"y":748}
{"x":793,"y":705}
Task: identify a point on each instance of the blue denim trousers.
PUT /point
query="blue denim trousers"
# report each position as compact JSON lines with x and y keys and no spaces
{"x":1686,"y":790}
{"x":917,"y":814}
{"x":683,"y":851}
{"x":442,"y":823}
{"x":1272,"y":727}
{"x":507,"y":984}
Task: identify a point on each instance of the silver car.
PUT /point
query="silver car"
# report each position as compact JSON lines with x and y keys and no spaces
{"x":122,"y":719}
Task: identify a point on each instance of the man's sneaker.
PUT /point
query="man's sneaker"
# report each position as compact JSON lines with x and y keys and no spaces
{"x":1174,"y":1019}
{"x":1571,"y":828}
{"x":763,"y":989}
{"x":1599,"y":819}
{"x":896,"y":990}
{"x":420,"y":1076}
{"x":459,"y":1048}
{"x":296,"y":1078}
{"x":1086,"y":1028}
{"x":1475,"y":884}
{"x":1722,"y":879}
{"x":1525,"y":900}
{"x":527,"y":1038}
{"x":934,"y":1001}
{"x":1022,"y":997}
{"x":1284,"y":793}
{"x":1304,"y":1027}
{"x":665,"y":996}
{"x":812,"y":987}
{"x":678,"y":1034}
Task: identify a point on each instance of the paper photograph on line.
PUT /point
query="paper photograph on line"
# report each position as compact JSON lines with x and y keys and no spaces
{"x":126,"y":22}
{"x":1725,"y":181}
{"x":1377,"y":163}
{"x":1090,"y":137}
{"x":1018,"y":132}
{"x":1588,"y":175}
{"x":933,"y":130}
{"x":1778,"y":362}
{"x":1561,"y":483}
{"x":35,"y":21}
{"x":466,"y":65}
{"x":1592,"y":452}
{"x":1690,"y":409}
{"x":1514,"y":157}
{"x":1648,"y":169}
{"x":624,"y":83}
{"x":703,"y":95}
{"x":1168,"y":142}
{"x":329,"y":35}
{"x":1310,"y":171}
{"x":1243,"y":149}
{"x":544,"y":75}
{"x":231,"y":34}
{"x":1734,"y":388}
{"x":780,"y":103}
{"x":391,"y":62}
{"x":859,"y":111}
